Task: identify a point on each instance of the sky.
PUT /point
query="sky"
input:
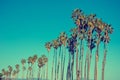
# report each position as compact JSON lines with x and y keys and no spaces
{"x":25,"y":26}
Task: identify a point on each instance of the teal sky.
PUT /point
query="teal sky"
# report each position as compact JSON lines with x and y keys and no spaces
{"x":25,"y":26}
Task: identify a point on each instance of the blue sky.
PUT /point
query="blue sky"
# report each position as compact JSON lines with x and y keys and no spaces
{"x":25,"y":25}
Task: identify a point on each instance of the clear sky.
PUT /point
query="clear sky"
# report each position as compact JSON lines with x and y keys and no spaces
{"x":25,"y":25}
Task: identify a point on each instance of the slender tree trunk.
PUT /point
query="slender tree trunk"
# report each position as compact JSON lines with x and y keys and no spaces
{"x":77,"y":71}
{"x":55,"y":64}
{"x":72,"y":66}
{"x":104,"y":60}
{"x":80,"y":54}
{"x":52,"y":67}
{"x":63,"y":63}
{"x":22,"y":72}
{"x":85,"y":68}
{"x":96,"y":62}
{"x":47,"y":68}
{"x":88,"y":65}
{"x":39,"y":74}
{"x":58,"y":64}
{"x":69,"y":68}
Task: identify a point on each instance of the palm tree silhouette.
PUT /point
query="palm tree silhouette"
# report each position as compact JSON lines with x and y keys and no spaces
{"x":34,"y":58}
{"x":17,"y":66}
{"x":10,"y":69}
{"x":28,"y":70}
{"x":62,"y":42}
{"x":48,"y":46}
{"x":55,"y":45}
{"x":23,"y":61}
{"x":105,"y":38}
{"x":3,"y":72}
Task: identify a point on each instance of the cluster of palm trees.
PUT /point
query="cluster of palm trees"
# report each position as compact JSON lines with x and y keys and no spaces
{"x":89,"y":31}
{"x":27,"y":72}
{"x":72,"y":54}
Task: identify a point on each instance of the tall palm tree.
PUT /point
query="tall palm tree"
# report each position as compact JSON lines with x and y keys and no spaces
{"x":23,"y":61}
{"x":105,"y":38}
{"x":72,"y":44}
{"x":90,"y":41}
{"x":63,"y":40}
{"x":99,"y":28}
{"x":80,"y":21}
{"x":48,"y":46}
{"x":75,"y":32}
{"x":55,"y":45}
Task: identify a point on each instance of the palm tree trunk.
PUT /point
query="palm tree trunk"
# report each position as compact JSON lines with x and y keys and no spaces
{"x":85,"y":68}
{"x":80,"y":59}
{"x":88,"y":63}
{"x":58,"y":64}
{"x":69,"y":68}
{"x":104,"y":60}
{"x":77,"y":71}
{"x":82,"y":54}
{"x":22,"y":72}
{"x":55,"y":64}
{"x":47,"y":68}
{"x":72,"y":66}
{"x":39,"y":74}
{"x":96,"y":63}
{"x":52,"y":76}
{"x":63,"y":64}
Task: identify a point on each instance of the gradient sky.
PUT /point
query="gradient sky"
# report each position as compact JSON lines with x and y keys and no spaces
{"x":25,"y":25}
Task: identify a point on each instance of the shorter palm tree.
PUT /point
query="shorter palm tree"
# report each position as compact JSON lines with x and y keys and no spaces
{"x":17,"y":66}
{"x":23,"y":61}
{"x":48,"y":46}
{"x":10,"y":69}
{"x":3,"y":72}
{"x":14,"y":74}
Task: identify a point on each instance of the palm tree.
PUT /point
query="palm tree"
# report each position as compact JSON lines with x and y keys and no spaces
{"x":80,"y":21}
{"x":105,"y":38}
{"x":30,"y":72}
{"x":17,"y":66}
{"x":14,"y":74}
{"x":23,"y":61}
{"x":75,"y":31}
{"x":48,"y":46}
{"x":10,"y":69}
{"x":3,"y":72}
{"x":7,"y":75}
{"x":34,"y":58}
{"x":99,"y":28}
{"x":90,"y":41}
{"x":71,"y":44}
{"x":55,"y":45}
{"x":40,"y":64}
{"x":63,"y":40}
{"x":29,"y":65}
